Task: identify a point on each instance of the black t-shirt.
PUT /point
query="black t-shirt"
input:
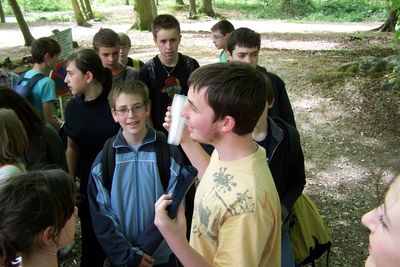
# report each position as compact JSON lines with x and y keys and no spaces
{"x":163,"y":87}
{"x":89,"y":124}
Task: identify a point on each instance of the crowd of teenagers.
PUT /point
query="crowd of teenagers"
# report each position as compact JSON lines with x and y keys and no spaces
{"x":109,"y":162}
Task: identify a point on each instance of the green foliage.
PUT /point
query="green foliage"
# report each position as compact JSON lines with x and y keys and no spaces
{"x":58,"y":18}
{"x":109,"y":2}
{"x":303,"y":10}
{"x":44,"y":5}
{"x":349,"y":10}
{"x":307,"y":10}
{"x":298,"y":8}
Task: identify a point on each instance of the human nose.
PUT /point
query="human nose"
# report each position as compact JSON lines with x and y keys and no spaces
{"x":184,"y":111}
{"x":369,"y":219}
{"x":247,"y":59}
{"x":66,"y":79}
{"x":110,"y":58}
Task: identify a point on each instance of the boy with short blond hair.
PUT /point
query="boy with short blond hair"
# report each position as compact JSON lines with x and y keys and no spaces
{"x":123,"y":210}
{"x":107,"y":45}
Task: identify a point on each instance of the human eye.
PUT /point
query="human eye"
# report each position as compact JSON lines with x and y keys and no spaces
{"x":122,"y":111}
{"x":138,"y":107}
{"x":382,"y":221}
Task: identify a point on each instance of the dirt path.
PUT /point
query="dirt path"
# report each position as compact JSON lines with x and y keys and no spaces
{"x":11,"y":41}
{"x":346,"y":134}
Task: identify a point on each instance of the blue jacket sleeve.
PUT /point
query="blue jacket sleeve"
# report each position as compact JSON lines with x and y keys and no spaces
{"x":105,"y":225}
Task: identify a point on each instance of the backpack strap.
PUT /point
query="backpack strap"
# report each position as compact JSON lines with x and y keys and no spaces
{"x":162,"y":154}
{"x":108,"y":162}
{"x":152,"y":75}
{"x":189,"y":64}
{"x":136,"y":63}
{"x":163,"y":158}
{"x":124,"y":76}
{"x":30,"y":83}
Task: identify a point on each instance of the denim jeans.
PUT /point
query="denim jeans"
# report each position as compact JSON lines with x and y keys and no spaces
{"x":287,"y":259}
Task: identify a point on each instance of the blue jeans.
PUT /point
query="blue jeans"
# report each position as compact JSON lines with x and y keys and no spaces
{"x":287,"y":259}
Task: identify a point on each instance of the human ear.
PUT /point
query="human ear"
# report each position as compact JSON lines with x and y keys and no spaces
{"x":229,"y":55}
{"x":114,"y":115}
{"x":228,"y":124}
{"x":46,"y":236}
{"x":271,"y":103}
{"x":89,"y":76}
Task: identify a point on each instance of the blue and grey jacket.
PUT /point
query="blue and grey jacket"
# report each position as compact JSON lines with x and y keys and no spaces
{"x":121,"y":215}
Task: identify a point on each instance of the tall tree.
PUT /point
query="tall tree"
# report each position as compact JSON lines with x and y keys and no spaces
{"x":80,"y":20}
{"x":2,"y":15}
{"x":390,"y":23}
{"x":88,"y":9}
{"x":207,"y":8}
{"x":192,"y":9}
{"x":21,"y":22}
{"x":144,"y":18}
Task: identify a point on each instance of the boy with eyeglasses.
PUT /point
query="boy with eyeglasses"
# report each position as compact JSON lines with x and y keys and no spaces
{"x":124,"y":59}
{"x":219,"y":36}
{"x":122,"y":211}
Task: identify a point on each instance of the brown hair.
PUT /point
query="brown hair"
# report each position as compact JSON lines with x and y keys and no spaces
{"x":166,"y":22}
{"x":235,"y":89}
{"x":224,"y":26}
{"x":29,"y":203}
{"x":105,"y":38}
{"x":14,"y":141}
{"x":132,"y":87}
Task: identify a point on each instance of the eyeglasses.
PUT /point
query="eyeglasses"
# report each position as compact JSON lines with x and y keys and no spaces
{"x":216,"y":37}
{"x":125,"y":110}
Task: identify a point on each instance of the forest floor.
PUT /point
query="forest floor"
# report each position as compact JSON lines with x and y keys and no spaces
{"x":349,"y":125}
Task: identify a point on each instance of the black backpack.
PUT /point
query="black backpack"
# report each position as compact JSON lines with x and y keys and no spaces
{"x":25,"y":89}
{"x":163,"y":160}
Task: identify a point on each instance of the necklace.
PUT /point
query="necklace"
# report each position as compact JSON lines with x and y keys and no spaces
{"x":168,"y":72}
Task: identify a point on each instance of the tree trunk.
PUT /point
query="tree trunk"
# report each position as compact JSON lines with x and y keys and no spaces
{"x":21,"y":22}
{"x":127,"y":2}
{"x":153,"y":10}
{"x":83,"y":9}
{"x":207,"y":8}
{"x":89,"y":10}
{"x":390,"y":23}
{"x":2,"y":15}
{"x":80,"y":20}
{"x":144,"y":18}
{"x":192,"y":9}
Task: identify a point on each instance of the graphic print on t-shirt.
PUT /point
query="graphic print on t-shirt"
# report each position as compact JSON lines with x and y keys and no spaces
{"x":171,"y":86}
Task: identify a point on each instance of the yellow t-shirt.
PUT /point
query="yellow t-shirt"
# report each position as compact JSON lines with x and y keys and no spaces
{"x":236,"y":220}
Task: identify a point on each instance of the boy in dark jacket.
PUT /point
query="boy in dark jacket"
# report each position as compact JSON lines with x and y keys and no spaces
{"x":244,"y":46}
{"x":286,"y":163}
